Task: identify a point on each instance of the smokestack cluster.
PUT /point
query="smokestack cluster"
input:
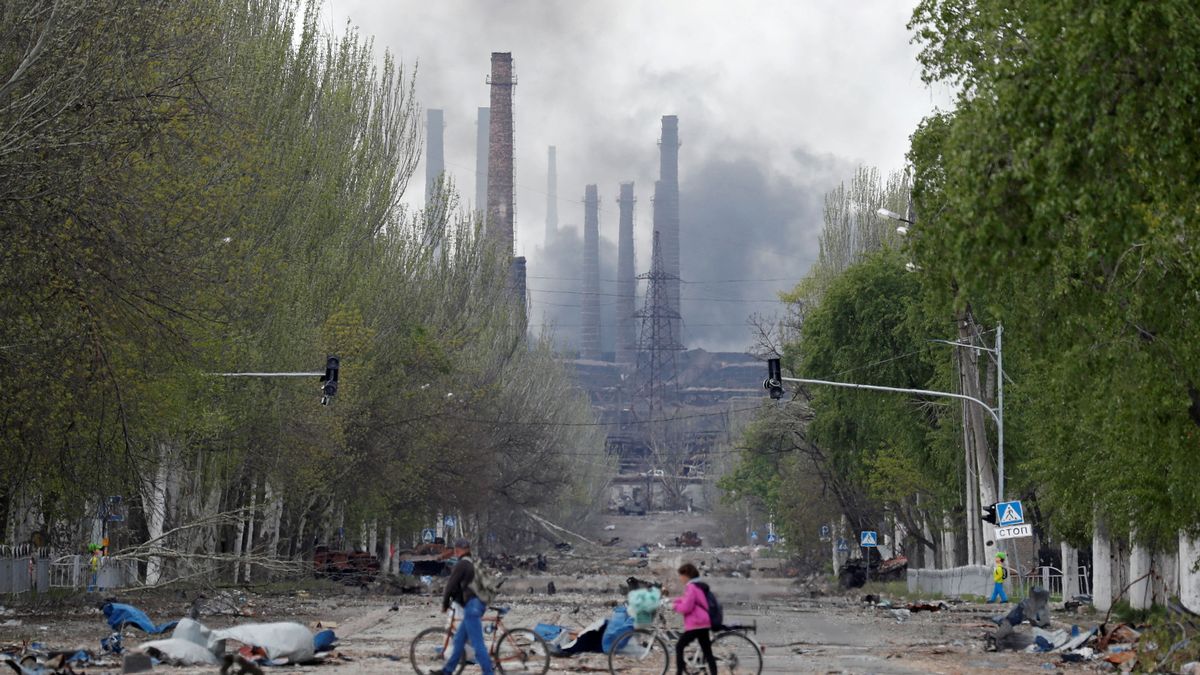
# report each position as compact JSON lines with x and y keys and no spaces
{"x":626,"y":338}
{"x":590,"y":310}
{"x":666,"y":213}
{"x":500,"y":152}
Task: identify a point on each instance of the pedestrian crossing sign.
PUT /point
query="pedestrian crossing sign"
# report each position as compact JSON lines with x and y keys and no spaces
{"x":1010,"y":513}
{"x":868,"y":538}
{"x":841,"y":545}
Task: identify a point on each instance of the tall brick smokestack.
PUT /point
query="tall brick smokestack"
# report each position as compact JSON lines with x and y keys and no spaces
{"x":666,"y":212}
{"x":626,"y":341}
{"x":482,"y":130}
{"x":551,"y":193}
{"x":589,"y":343}
{"x":435,"y":157}
{"x":500,"y":203}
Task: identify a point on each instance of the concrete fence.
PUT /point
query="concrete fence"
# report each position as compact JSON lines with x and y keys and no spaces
{"x":955,"y":581}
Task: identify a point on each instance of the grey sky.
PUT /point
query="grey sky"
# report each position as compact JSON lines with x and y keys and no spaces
{"x":777,"y":103}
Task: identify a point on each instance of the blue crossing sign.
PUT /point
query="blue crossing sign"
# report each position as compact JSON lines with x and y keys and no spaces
{"x":771,"y":538}
{"x":1009,"y":513}
{"x":842,"y":546}
{"x":451,"y":521}
{"x":868,"y":538}
{"x":428,"y":535}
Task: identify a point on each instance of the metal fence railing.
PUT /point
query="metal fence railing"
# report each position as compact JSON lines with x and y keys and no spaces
{"x":1053,"y":580}
{"x":24,"y":569}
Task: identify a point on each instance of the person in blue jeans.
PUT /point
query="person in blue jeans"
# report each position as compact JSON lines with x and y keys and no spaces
{"x":458,"y":589}
{"x":999,"y":574}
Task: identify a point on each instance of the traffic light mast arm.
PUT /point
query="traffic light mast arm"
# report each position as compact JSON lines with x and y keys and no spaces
{"x":315,"y":374}
{"x":900,"y":390}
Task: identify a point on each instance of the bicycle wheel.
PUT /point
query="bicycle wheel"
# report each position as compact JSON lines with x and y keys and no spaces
{"x":639,"y":651}
{"x":521,"y":650}
{"x":737,"y":654}
{"x":429,"y":651}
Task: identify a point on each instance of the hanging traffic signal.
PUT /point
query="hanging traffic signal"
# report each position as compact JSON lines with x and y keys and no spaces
{"x":774,"y":382}
{"x":989,"y":514}
{"x":329,"y":381}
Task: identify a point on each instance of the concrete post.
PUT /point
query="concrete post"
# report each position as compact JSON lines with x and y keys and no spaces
{"x":949,"y":544}
{"x":1070,"y":571}
{"x":1189,"y":575}
{"x":1166,"y":566}
{"x":1102,"y":559}
{"x":1141,"y":582}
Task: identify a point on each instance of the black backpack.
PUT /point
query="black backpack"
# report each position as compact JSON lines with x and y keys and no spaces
{"x":716,"y":615}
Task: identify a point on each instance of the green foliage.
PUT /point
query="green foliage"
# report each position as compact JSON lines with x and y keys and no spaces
{"x":1060,"y":196}
{"x":201,"y":187}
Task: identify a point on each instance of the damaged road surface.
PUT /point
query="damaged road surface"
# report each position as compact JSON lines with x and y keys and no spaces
{"x":800,"y":633}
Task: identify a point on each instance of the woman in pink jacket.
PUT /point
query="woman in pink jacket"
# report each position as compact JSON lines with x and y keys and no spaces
{"x":693,"y":605}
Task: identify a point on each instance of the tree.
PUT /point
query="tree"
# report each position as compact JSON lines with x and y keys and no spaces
{"x":1060,"y":195}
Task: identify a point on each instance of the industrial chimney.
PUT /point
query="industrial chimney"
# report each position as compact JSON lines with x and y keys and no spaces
{"x":435,"y":158}
{"x":500,"y":203}
{"x":589,"y":344}
{"x":626,"y":341}
{"x":482,"y":129}
{"x":551,"y":194}
{"x":666,"y":213}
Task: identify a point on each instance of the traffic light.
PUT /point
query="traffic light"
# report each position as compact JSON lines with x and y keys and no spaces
{"x":329,"y":381}
{"x":989,"y":514}
{"x":774,"y":382}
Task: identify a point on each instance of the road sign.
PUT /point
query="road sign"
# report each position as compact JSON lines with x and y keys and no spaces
{"x":754,"y":535}
{"x":428,"y":535}
{"x":842,"y":546}
{"x":1014,"y":531}
{"x":771,"y":538}
{"x":824,"y":533}
{"x":451,"y":521}
{"x":868,"y":538}
{"x":1009,"y":513}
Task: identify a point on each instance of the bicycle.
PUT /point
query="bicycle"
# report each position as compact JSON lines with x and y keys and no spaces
{"x":519,"y":650}
{"x":644,"y":651}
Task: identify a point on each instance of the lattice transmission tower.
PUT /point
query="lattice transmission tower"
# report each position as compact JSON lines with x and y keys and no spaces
{"x":657,"y":343}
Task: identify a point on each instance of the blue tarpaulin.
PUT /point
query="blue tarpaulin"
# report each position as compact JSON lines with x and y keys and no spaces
{"x":618,"y":623}
{"x":118,"y":614}
{"x":324,"y":641}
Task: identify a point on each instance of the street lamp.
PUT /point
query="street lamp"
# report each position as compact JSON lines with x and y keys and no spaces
{"x":888,"y":213}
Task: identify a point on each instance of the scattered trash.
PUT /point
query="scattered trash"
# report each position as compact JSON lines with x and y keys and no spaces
{"x":120,"y":615}
{"x":136,"y":663}
{"x":551,"y":589}
{"x":1121,"y":634}
{"x":283,"y":640}
{"x":927,"y":607}
{"x":900,"y":615}
{"x":609,"y":528}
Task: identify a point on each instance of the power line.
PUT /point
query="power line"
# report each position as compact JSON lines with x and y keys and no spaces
{"x":548,"y":424}
{"x":617,"y":295}
{"x":683,"y":281}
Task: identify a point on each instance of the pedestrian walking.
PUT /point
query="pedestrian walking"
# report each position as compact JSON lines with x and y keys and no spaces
{"x":999,"y":574}
{"x":459,"y":588}
{"x":697,"y":624}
